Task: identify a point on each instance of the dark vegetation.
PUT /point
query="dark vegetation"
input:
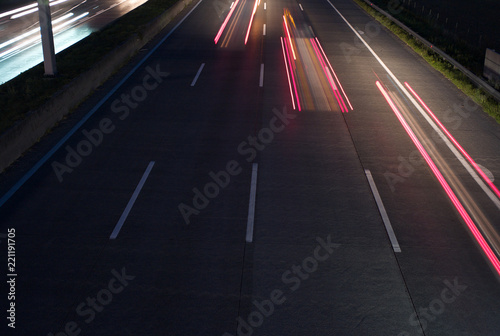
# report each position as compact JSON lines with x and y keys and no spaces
{"x":460,"y":45}
{"x":463,"y":28}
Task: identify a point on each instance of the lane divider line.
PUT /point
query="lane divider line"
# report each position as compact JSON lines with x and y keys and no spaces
{"x":251,"y":204}
{"x":383,"y":212}
{"x":131,"y":202}
{"x":455,"y":142}
{"x":451,"y":147}
{"x":264,"y":30}
{"x":446,"y":187}
{"x":197,"y":74}
{"x":75,"y":128}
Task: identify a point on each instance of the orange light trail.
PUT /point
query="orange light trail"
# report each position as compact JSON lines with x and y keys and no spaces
{"x":329,"y":77}
{"x":287,"y":73}
{"x":293,"y":77}
{"x":289,"y":37}
{"x":334,"y":74}
{"x":221,"y":30}
{"x":251,"y":19}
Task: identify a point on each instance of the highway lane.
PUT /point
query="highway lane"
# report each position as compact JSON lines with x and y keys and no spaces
{"x":72,"y":20}
{"x":183,"y":267}
{"x":427,"y":229}
{"x":313,"y":163}
{"x":320,"y":261}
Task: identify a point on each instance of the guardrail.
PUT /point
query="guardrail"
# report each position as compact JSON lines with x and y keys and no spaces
{"x":475,"y":79}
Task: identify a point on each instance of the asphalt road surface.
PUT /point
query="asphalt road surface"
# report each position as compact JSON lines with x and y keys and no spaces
{"x":283,"y":179}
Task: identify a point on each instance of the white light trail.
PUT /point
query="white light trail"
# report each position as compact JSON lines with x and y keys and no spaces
{"x":37,"y":38}
{"x":52,"y":3}
{"x":20,"y":9}
{"x":33,"y":31}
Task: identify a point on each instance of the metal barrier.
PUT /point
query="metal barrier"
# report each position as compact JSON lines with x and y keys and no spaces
{"x":475,"y":79}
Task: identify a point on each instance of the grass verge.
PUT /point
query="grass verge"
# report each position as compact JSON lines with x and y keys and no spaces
{"x":30,"y":90}
{"x":460,"y":80}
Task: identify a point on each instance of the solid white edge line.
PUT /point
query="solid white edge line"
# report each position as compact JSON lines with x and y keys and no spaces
{"x":261,"y":79}
{"x":436,"y":128}
{"x":264,"y":30}
{"x":251,"y":204}
{"x":383,"y":213}
{"x":75,"y":128}
{"x":131,"y":202}
{"x":197,"y":74}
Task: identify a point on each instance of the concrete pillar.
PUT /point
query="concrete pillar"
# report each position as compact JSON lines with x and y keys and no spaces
{"x":49,"y":55}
